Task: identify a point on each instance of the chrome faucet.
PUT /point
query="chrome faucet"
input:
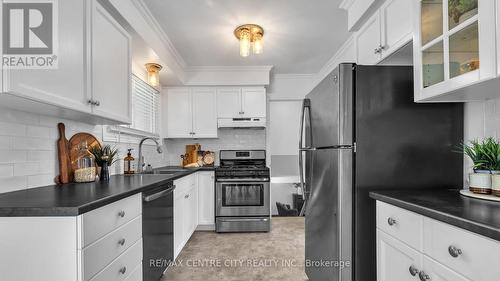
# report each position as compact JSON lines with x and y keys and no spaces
{"x":140,"y":161}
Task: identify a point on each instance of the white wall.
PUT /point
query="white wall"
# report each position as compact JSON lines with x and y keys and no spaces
{"x":481,"y":119}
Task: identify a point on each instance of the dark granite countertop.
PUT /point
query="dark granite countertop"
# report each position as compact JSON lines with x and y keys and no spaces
{"x":77,"y":198}
{"x":476,"y":215}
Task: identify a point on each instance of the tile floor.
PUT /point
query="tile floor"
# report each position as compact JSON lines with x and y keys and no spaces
{"x":277,"y":255}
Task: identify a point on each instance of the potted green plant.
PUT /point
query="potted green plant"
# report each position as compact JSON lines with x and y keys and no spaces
{"x":481,"y":154}
{"x":105,"y":156}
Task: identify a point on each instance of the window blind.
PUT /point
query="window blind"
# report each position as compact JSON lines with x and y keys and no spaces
{"x":145,"y":106}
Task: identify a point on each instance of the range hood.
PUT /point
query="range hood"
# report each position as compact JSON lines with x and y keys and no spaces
{"x":249,"y":122}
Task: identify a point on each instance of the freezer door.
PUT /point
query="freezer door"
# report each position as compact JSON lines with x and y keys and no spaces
{"x":330,"y":103}
{"x":328,"y":216}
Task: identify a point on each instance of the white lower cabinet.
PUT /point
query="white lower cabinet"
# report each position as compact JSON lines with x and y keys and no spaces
{"x":395,"y":260}
{"x":206,"y":200}
{"x":185,"y":211}
{"x":448,"y":253}
{"x":103,"y":244}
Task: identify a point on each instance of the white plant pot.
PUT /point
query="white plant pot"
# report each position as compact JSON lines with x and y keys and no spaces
{"x":480,"y":183}
{"x":495,"y":184}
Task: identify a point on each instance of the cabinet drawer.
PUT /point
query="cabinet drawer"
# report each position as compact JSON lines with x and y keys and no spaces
{"x":476,"y":257}
{"x":136,"y":275}
{"x":439,"y":272}
{"x":99,"y":222}
{"x":122,"y":267}
{"x":99,"y":254}
{"x":183,"y":185}
{"x":402,"y":224}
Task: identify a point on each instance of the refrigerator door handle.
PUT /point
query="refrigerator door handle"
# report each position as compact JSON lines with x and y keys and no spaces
{"x":306,"y":105}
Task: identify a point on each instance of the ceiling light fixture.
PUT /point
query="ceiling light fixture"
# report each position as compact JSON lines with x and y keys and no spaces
{"x":250,"y":36}
{"x":153,"y":70}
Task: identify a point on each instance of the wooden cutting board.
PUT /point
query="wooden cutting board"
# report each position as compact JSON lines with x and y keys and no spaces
{"x":65,"y":175}
{"x":74,"y":146}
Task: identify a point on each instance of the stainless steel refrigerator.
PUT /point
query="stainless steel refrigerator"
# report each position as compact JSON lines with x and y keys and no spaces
{"x":361,"y":131}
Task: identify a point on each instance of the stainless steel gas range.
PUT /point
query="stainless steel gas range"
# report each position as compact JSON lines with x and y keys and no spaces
{"x":242,"y":192}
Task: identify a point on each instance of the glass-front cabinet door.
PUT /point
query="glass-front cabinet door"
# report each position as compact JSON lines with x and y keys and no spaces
{"x":454,"y":46}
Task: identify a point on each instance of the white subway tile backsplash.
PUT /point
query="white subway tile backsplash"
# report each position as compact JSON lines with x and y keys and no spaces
{"x":12,"y":129}
{"x":12,"y":156}
{"x":28,"y":150}
{"x":5,"y":142}
{"x":32,"y":143}
{"x":228,"y":139}
{"x":6,"y":170}
{"x":26,"y":169}
{"x":40,"y":132}
{"x":12,"y":183}
{"x":40,"y":180}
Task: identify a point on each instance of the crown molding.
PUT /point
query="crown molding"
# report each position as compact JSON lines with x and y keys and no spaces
{"x":264,"y":68}
{"x":346,"y":4}
{"x":297,"y":76}
{"x":153,"y":23}
{"x":335,"y":59}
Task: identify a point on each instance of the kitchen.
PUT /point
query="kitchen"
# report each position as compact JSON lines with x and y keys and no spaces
{"x":223,"y":88}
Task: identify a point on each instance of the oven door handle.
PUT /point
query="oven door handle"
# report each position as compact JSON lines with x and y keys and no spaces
{"x":160,"y":194}
{"x":244,"y":180}
{"x":246,"y":219}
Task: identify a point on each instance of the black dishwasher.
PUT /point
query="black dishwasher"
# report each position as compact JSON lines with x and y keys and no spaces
{"x":157,"y":231}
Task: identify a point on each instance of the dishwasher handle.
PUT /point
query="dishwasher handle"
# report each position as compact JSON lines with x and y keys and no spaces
{"x":160,"y":194}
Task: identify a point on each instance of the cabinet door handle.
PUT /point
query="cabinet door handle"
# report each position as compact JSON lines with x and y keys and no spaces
{"x":121,"y":241}
{"x":423,"y":276}
{"x":186,"y":196}
{"x":123,"y":270}
{"x":97,"y":103}
{"x":121,"y":214}
{"x":454,"y":251}
{"x":91,"y":102}
{"x":376,"y":51}
{"x":391,"y":221}
{"x":413,"y":270}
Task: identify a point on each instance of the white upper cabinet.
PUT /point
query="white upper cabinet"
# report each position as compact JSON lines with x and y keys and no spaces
{"x":385,"y":32}
{"x":92,"y":80}
{"x":111,"y":67}
{"x":368,"y":41}
{"x":454,"y":48}
{"x":228,"y":102}
{"x":396,"y":21}
{"x":65,"y":86}
{"x":253,"y":102}
{"x":204,"y":112}
{"x":191,"y":113}
{"x":179,"y":113}
{"x":241,"y":102}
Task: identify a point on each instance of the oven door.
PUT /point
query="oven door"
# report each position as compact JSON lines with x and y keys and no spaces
{"x":242,"y":198}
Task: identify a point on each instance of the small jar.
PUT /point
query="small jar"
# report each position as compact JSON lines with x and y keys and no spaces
{"x":85,"y":168}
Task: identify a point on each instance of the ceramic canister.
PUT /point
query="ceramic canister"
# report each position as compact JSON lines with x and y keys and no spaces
{"x":480,"y":183}
{"x":495,"y":184}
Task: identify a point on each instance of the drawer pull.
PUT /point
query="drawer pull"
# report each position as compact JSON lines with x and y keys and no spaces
{"x":186,"y":196}
{"x":121,"y":214}
{"x":423,"y":276}
{"x":123,"y":270}
{"x":121,"y":241}
{"x":391,"y":221}
{"x":413,"y":270}
{"x":454,"y":251}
